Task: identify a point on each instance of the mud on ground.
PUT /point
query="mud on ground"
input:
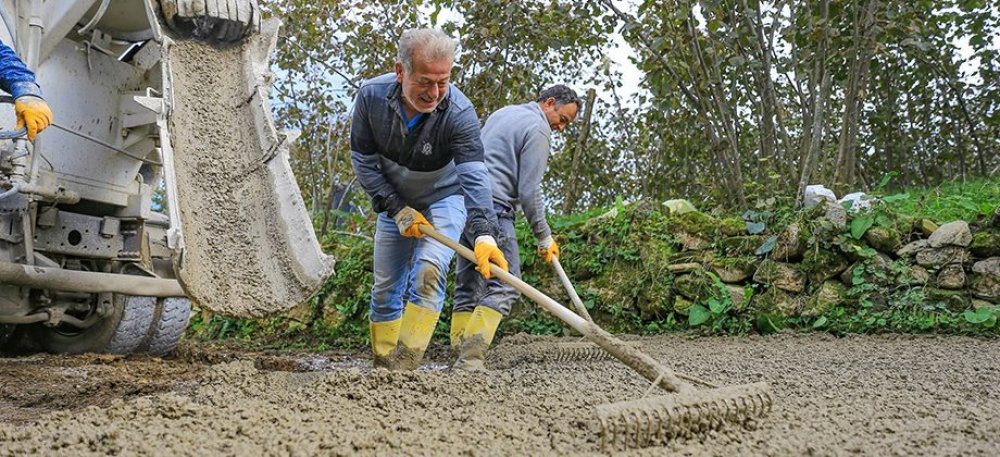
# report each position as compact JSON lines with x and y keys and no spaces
{"x":863,"y":395}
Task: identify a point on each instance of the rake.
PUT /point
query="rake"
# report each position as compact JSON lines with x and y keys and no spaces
{"x":653,"y":420}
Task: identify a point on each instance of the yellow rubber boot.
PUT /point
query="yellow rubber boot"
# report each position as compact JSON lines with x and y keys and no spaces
{"x":478,"y":336}
{"x":414,"y":336}
{"x":458,"y":321}
{"x":384,"y":335}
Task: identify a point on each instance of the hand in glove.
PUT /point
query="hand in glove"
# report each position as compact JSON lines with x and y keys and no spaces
{"x":409,"y":220}
{"x":487,"y":251}
{"x":548,"y":248}
{"x":32,"y":112}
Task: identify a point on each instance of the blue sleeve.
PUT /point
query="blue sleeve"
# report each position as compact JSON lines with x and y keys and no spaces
{"x":467,"y":147}
{"x":366,"y":162}
{"x":15,"y":77}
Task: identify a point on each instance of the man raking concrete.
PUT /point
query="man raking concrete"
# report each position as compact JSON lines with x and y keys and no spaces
{"x":416,"y":150}
{"x":517,"y":140}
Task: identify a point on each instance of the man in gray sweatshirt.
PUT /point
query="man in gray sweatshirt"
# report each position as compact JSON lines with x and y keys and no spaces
{"x":517,"y":143}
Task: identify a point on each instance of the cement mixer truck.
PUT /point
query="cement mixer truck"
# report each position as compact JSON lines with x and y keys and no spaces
{"x":162,"y":182}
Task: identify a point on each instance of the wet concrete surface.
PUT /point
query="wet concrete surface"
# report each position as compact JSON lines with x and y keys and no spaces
{"x":860,"y":395}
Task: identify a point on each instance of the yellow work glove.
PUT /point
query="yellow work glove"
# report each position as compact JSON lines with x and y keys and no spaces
{"x":408,"y":220}
{"x":32,"y":112}
{"x":548,"y":248}
{"x":486,"y":252}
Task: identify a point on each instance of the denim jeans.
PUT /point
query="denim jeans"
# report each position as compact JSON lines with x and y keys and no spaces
{"x":418,"y":266}
{"x":472,"y":289}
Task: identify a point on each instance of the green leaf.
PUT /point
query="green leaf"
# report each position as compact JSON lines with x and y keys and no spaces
{"x":896,"y":197}
{"x":767,"y":246}
{"x":698,"y":315}
{"x":978,"y":316}
{"x":717,"y":306}
{"x":714,"y":25}
{"x":767,"y":325}
{"x":754,"y":228}
{"x":885,"y":180}
{"x":819,"y":322}
{"x":860,"y":225}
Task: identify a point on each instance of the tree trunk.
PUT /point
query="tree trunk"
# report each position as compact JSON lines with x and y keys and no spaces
{"x":765,"y":87}
{"x":581,"y":142}
{"x":329,"y":207}
{"x":717,"y":144}
{"x":819,"y":93}
{"x":861,"y":53}
{"x":728,"y":149}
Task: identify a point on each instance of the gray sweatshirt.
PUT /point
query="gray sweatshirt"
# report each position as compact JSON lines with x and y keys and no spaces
{"x":517,"y":143}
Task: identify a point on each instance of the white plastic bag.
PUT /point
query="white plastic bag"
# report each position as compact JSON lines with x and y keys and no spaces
{"x":816,"y":193}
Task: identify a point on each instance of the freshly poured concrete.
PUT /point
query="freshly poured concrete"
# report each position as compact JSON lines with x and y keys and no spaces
{"x":250,"y":249}
{"x":864,"y":395}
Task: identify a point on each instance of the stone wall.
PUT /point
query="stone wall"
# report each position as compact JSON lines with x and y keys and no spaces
{"x":813,"y":261}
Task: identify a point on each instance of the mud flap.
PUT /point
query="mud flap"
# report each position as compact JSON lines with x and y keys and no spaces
{"x":247,"y":243}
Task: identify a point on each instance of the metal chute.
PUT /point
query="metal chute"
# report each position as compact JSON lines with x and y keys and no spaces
{"x":247,"y":243}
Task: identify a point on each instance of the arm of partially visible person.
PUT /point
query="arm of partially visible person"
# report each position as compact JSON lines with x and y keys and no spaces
{"x":19,"y":81}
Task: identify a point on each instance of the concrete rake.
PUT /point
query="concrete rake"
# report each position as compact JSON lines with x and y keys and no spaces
{"x":649,"y":421}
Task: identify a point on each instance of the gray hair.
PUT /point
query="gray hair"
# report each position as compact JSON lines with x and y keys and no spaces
{"x":562,"y":93}
{"x":433,"y":43}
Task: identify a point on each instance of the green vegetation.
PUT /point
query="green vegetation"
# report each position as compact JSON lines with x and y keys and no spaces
{"x":950,"y":201}
{"x":619,"y":261}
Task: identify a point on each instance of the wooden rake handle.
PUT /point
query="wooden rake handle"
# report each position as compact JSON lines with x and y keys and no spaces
{"x":580,"y":309}
{"x":643,"y":364}
{"x":550,"y":305}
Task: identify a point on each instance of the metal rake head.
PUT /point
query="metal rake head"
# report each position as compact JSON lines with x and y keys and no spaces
{"x":558,"y":352}
{"x":656,"y":420}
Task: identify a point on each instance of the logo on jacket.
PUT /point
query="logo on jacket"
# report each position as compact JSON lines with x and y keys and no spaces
{"x":426,"y":150}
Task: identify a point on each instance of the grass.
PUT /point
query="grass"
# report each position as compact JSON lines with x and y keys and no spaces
{"x":951,"y":201}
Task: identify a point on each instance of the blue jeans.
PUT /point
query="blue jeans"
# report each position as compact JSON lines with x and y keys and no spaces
{"x":472,"y":289}
{"x":418,"y":266}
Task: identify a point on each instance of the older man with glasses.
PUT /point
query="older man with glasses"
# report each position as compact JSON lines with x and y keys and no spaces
{"x":416,"y":149}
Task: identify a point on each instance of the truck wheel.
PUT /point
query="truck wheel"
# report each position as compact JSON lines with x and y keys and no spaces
{"x":7,"y":337}
{"x":168,"y":328}
{"x":121,"y":332}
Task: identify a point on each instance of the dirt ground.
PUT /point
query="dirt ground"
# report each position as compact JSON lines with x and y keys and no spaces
{"x":863,"y":395}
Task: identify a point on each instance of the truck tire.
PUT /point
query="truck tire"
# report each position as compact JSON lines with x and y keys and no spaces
{"x":168,"y":327}
{"x":7,"y":337}
{"x":121,"y":332}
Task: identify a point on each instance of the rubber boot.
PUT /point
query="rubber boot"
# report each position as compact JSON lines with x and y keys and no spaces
{"x":458,"y":321}
{"x":384,"y":336}
{"x":414,"y":336}
{"x":476,"y":339}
